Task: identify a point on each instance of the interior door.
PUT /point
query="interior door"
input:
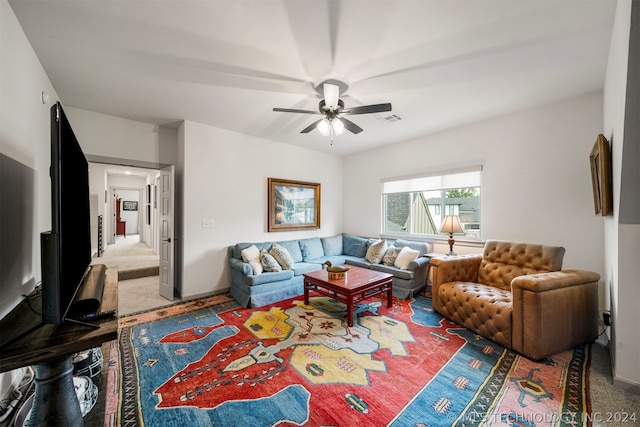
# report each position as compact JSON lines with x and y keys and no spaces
{"x":167,"y":239}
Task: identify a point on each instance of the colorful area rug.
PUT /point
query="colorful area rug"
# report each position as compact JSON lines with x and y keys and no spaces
{"x":212,"y":362}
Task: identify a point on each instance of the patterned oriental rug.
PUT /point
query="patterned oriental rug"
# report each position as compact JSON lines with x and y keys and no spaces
{"x":214,"y":363}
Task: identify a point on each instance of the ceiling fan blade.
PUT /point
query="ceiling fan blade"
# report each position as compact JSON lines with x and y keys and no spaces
{"x":366,"y":109}
{"x":294,"y":110}
{"x":350,"y":126}
{"x":311,"y":127}
{"x":331,"y":95}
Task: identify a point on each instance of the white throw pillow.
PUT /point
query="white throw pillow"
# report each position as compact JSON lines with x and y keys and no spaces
{"x":251,"y":255}
{"x":390,"y":256}
{"x":256,"y":266}
{"x":282,"y":255}
{"x":376,"y":251}
{"x":405,"y":256}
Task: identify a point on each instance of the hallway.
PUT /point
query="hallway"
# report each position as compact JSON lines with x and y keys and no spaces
{"x":138,"y":274}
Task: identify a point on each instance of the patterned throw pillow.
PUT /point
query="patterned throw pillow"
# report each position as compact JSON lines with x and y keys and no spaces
{"x":390,"y":256}
{"x":376,"y":251}
{"x":251,"y":255}
{"x":405,"y":256}
{"x":269,"y":263}
{"x":282,"y":255}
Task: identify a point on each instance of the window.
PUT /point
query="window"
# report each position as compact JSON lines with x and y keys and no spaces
{"x":417,"y":205}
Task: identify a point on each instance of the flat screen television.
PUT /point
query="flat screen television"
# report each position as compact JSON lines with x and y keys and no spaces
{"x":66,"y":249}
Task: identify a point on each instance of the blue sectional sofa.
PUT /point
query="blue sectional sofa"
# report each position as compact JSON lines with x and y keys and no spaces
{"x":309,"y":254}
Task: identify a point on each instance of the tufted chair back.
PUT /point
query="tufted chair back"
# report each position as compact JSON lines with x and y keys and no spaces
{"x":502,"y":261}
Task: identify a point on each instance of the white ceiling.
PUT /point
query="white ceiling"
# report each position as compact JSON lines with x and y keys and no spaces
{"x":227,"y":63}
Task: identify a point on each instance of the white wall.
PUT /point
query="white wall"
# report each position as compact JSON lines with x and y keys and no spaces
{"x":224,"y":178}
{"x":25,"y":138}
{"x":622,"y":241}
{"x":536,"y":182}
{"x":109,"y":136}
{"x":24,"y":135}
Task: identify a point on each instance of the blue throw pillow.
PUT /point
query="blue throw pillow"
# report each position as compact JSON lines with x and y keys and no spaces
{"x":332,"y":245}
{"x":354,"y":245}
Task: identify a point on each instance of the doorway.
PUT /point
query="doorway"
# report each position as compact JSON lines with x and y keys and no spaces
{"x":131,"y":197}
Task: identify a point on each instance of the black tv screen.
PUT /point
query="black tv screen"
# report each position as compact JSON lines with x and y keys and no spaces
{"x":66,"y":249}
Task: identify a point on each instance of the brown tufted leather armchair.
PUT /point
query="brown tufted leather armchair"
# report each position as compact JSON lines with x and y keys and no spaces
{"x":516,"y":295}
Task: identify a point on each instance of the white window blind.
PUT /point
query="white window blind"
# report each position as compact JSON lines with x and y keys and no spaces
{"x":468,"y":177}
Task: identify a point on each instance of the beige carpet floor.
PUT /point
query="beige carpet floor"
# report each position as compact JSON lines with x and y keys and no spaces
{"x":138,"y":279}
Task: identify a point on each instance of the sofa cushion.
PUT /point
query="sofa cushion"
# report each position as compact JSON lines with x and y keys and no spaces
{"x":332,"y":246}
{"x":398,"y":273}
{"x":266,"y":278}
{"x":376,"y":251}
{"x":293,"y":247}
{"x":335,"y":260}
{"x":422,"y":248}
{"x":305,"y":267}
{"x":358,"y":262}
{"x":483,"y":309}
{"x":390,"y":255}
{"x":354,"y":245}
{"x":282,"y":255}
{"x":311,"y":248}
{"x":268,"y":262}
{"x":405,"y":256}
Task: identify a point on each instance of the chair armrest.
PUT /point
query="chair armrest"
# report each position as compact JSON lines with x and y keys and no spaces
{"x":554,"y":311}
{"x":458,"y":269}
{"x":542,"y":282}
{"x":241,"y":266}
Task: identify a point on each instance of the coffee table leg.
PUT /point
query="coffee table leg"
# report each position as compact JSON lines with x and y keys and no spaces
{"x":306,"y":293}
{"x":390,"y":296}
{"x":350,"y":311}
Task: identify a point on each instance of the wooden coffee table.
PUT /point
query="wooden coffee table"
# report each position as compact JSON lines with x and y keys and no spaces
{"x":359,"y":284}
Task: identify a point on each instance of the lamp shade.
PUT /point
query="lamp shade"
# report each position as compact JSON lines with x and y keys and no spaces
{"x":451,"y":224}
{"x":338,"y":126}
{"x":324,"y":127}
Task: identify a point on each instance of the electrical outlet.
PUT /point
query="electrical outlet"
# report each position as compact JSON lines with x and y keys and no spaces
{"x":208,"y":223}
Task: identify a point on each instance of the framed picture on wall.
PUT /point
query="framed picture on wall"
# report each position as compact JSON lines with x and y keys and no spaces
{"x":600,"y":161}
{"x":292,"y":205}
{"x":129,"y":206}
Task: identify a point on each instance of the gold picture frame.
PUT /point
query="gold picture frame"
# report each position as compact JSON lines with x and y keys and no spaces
{"x":292,"y":205}
{"x":600,"y":161}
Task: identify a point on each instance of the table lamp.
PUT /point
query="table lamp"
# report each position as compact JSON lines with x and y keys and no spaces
{"x":451,"y":224}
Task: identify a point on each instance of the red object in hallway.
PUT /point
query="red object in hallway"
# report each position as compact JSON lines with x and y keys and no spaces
{"x":121,"y":226}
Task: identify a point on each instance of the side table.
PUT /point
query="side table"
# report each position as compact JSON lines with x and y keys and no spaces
{"x":427,"y":288}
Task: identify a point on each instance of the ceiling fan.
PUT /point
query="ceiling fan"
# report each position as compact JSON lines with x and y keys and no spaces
{"x":332,"y":108}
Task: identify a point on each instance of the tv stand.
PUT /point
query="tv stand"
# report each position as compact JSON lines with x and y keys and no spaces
{"x":81,"y":323}
{"x":25,"y":341}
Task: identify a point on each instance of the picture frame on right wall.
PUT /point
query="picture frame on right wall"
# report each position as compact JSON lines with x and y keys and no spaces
{"x":600,"y":161}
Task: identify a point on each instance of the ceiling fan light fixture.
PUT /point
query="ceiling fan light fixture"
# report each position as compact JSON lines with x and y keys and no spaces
{"x":324,"y":127}
{"x":338,"y":126}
